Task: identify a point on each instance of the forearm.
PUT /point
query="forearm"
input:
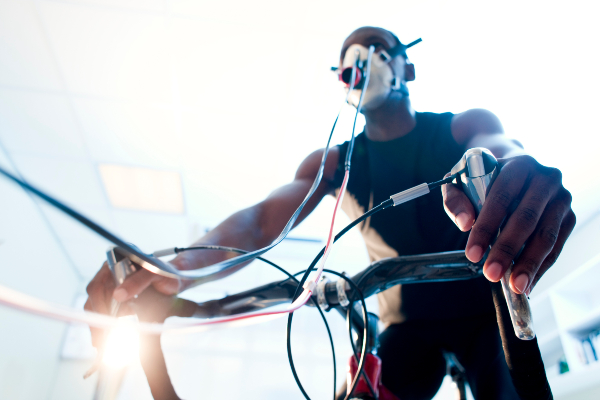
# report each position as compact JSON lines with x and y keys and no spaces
{"x":242,"y":230}
{"x":258,"y":226}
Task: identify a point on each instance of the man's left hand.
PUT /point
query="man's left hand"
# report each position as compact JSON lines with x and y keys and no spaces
{"x":538,"y":214}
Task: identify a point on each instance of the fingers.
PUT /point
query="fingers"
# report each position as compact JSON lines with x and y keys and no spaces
{"x":97,"y":333}
{"x":99,"y":299}
{"x":504,"y":191}
{"x":134,"y":285}
{"x":458,"y":207}
{"x":100,"y":290}
{"x":169,"y":286}
{"x":566,"y":228}
{"x":519,"y":227}
{"x":540,"y":243}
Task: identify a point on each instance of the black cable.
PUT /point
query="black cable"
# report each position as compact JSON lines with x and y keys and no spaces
{"x":349,"y":327}
{"x":365,"y":337}
{"x":384,"y":205}
{"x":444,"y":181}
{"x":79,"y":217}
{"x":232,"y":249}
{"x":358,"y":107}
{"x":350,"y":226}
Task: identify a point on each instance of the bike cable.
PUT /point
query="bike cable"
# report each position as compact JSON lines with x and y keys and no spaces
{"x":309,"y":288}
{"x":364,"y":344}
{"x":224,"y":248}
{"x":349,"y":328}
{"x":394,"y":200}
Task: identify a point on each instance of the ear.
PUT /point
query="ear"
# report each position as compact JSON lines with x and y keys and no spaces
{"x":409,"y":71}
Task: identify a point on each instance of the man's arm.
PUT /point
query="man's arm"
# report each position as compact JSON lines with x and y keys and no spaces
{"x":531,"y":197}
{"x":248,"y":229}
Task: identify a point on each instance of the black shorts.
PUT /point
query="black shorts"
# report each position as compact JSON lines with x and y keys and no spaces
{"x":413,"y":363}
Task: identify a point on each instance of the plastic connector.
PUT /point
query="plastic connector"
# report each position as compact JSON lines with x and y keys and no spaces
{"x":321,"y":298}
{"x":410,"y":194}
{"x":165,"y":252}
{"x":340,"y":286}
{"x":310,"y":286}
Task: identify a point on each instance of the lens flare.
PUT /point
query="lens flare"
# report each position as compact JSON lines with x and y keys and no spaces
{"x":122,"y":344}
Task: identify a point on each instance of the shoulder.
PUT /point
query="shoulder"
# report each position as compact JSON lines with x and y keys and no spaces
{"x":474,"y":122}
{"x":311,"y":164}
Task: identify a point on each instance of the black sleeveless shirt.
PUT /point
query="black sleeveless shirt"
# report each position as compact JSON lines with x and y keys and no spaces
{"x":380,"y":169}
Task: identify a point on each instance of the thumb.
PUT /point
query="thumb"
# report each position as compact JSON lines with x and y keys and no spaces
{"x":134,"y":285}
{"x":458,"y":207}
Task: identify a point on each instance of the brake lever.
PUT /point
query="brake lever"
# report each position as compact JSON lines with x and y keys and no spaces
{"x":477,"y":169}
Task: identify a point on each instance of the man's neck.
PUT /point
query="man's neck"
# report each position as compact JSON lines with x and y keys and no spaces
{"x":392,"y":120}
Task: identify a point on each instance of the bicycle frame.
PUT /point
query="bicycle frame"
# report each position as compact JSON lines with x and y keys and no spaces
{"x":379,"y":276}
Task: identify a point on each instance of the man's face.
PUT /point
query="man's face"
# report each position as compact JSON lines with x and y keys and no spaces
{"x":382,"y":40}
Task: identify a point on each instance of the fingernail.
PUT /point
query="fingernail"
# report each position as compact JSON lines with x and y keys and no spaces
{"x":474,"y":253}
{"x":120,"y":294}
{"x":493,"y":272}
{"x":521,"y":282}
{"x":463,"y":221}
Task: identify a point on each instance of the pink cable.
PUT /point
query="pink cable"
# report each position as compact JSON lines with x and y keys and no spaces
{"x":23,"y":302}
{"x":331,"y":238}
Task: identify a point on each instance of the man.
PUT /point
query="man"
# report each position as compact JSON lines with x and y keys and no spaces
{"x":399,"y":149}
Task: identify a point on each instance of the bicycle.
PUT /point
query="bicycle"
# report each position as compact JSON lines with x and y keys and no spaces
{"x":523,"y":357}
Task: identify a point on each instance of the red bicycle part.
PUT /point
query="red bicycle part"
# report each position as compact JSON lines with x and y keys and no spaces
{"x":372,"y":369}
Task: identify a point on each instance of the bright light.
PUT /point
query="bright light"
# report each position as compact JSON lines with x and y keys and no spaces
{"x":122,"y":345}
{"x":146,"y":189}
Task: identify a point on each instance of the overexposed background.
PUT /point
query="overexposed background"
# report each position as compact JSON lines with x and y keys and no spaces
{"x":195,"y":109}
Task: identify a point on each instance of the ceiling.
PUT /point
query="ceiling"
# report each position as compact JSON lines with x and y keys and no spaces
{"x":231,"y":96}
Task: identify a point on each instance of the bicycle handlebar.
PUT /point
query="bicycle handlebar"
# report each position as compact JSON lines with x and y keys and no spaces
{"x":380,"y":275}
{"x":522,"y":356}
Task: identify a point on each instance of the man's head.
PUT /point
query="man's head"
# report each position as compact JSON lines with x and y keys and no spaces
{"x":401,"y":69}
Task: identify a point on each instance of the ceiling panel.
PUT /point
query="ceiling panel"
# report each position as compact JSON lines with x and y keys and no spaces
{"x":39,"y":123}
{"x":25,"y":58}
{"x":107,"y":52}
{"x":143,"y":189}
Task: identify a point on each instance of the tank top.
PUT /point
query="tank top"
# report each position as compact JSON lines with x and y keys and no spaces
{"x":380,"y":169}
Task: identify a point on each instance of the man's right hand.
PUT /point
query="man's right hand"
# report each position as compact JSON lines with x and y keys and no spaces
{"x":102,"y":289}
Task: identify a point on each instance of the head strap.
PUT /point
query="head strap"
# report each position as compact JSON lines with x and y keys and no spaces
{"x":400,"y":49}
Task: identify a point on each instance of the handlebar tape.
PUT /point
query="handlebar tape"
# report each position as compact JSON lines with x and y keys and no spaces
{"x":522,"y":356}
